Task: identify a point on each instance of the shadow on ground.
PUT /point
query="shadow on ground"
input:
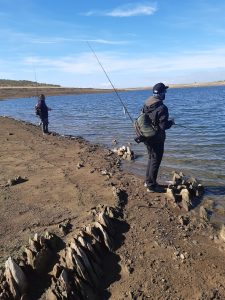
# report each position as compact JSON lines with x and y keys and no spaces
{"x":111,"y":261}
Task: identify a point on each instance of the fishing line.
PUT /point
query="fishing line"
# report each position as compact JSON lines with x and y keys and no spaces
{"x":186,"y":127}
{"x":125,"y":109}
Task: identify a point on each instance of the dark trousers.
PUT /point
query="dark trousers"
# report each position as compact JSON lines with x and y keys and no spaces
{"x":45,"y":125}
{"x":155,"y":154}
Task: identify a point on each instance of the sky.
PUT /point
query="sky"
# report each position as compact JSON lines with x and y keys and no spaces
{"x":138,"y":43}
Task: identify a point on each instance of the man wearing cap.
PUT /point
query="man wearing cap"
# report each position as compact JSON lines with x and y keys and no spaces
{"x":158,"y":114}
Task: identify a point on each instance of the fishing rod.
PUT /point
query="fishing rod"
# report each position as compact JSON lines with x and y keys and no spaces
{"x":125,"y":109}
{"x":35,"y":76}
{"x":115,"y":90}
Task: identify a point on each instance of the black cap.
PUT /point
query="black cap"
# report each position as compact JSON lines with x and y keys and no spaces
{"x":159,"y":88}
{"x":42,"y":97}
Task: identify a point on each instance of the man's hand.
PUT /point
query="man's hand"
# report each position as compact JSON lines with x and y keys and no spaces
{"x":173,"y":122}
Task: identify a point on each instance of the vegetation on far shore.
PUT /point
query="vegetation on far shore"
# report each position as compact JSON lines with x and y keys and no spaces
{"x":7,"y":83}
{"x":23,"y":83}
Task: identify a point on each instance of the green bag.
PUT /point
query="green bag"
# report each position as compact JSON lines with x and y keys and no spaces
{"x":145,"y":127}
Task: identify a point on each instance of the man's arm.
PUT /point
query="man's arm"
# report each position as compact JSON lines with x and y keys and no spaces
{"x":164,"y":122}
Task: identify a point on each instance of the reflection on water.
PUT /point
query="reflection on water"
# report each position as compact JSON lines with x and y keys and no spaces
{"x":197,"y":150}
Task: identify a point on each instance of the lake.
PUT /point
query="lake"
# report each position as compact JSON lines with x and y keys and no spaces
{"x":196,"y":146}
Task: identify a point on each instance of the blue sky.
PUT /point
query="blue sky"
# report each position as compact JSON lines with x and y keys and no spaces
{"x":138,"y":42}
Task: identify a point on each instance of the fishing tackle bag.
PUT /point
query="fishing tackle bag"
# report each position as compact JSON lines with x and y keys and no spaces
{"x":37,"y":111}
{"x":145,"y":128}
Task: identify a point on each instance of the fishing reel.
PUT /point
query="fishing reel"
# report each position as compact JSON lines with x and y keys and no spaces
{"x":140,"y":139}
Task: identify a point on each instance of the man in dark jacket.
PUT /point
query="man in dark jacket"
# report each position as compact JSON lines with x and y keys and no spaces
{"x":158,"y":113}
{"x":42,"y":111}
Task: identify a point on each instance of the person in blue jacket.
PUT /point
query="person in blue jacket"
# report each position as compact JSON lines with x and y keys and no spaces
{"x":42,"y":111}
{"x":158,"y":113}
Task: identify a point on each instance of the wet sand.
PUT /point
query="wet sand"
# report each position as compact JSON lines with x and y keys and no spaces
{"x":157,"y":257}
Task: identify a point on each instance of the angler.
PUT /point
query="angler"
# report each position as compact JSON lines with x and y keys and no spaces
{"x":41,"y":110}
{"x":158,"y":121}
{"x":158,"y":114}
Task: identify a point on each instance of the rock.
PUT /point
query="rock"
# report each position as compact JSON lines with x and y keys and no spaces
{"x":186,"y":201}
{"x":16,"y":180}
{"x":177,"y":178}
{"x":170,"y":194}
{"x":222,"y":233}
{"x":183,"y":220}
{"x":104,"y":219}
{"x":120,"y":152}
{"x":30,"y":256}
{"x":120,"y":196}
{"x":56,"y":270}
{"x":204,"y":214}
{"x":86,"y":262}
{"x":13,"y":287}
{"x":114,"y":142}
{"x":34,"y":245}
{"x":42,"y":260}
{"x":80,"y":165}
{"x":65,"y":227}
{"x":200,"y":190}
{"x":106,"y":173}
{"x":107,"y":240}
{"x":184,"y":188}
{"x":124,"y":152}
{"x":50,"y":295}
{"x":68,"y":254}
{"x":17,"y":274}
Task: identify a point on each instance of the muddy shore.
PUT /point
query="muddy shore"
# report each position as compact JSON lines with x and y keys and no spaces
{"x":157,"y":255}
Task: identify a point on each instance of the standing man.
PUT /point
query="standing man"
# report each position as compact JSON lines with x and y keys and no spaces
{"x":42,"y":111}
{"x":158,"y":113}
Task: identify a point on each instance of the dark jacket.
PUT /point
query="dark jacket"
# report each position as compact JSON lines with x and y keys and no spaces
{"x":42,"y":109}
{"x":158,"y":113}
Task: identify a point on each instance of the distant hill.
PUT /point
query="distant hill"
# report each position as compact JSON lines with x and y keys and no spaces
{"x":23,"y":83}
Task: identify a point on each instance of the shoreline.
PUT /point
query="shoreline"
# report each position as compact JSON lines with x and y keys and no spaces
{"x":10,"y":92}
{"x":159,"y":257}
{"x":27,"y":92}
{"x":187,"y":85}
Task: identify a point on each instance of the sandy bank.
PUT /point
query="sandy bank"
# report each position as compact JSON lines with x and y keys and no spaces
{"x":25,"y":92}
{"x":158,"y":257}
{"x":187,"y":85}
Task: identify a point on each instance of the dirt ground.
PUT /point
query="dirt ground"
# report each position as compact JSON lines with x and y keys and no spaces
{"x":157,"y":257}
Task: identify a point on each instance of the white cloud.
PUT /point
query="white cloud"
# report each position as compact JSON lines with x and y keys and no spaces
{"x":58,"y":40}
{"x":86,"y":63}
{"x":102,"y":41}
{"x":124,"y":70}
{"x":9,"y":35}
{"x":129,"y":10}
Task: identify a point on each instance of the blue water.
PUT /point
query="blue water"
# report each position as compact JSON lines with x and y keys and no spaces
{"x":198,"y":150}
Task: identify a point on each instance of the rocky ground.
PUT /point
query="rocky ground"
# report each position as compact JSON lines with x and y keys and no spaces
{"x":160,"y":251}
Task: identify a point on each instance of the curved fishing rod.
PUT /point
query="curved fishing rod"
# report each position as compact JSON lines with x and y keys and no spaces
{"x":110,"y":82}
